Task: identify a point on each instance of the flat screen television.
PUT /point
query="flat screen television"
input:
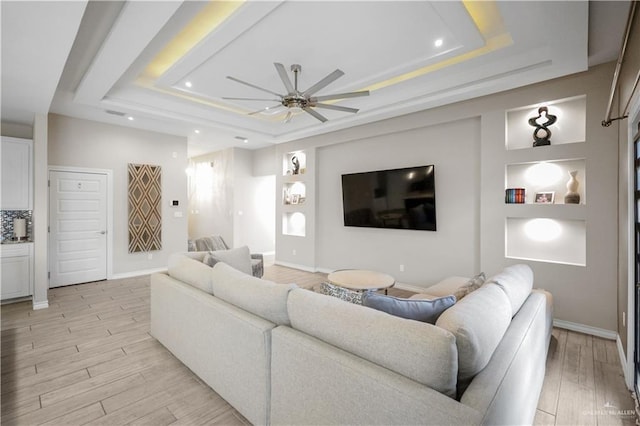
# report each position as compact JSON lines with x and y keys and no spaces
{"x":398,"y":198}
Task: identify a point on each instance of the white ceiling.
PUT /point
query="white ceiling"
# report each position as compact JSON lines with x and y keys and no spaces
{"x":82,"y":59}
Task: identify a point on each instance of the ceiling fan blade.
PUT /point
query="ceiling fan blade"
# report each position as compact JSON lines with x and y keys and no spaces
{"x":336,"y":107}
{"x":253,"y":85}
{"x":316,"y":114}
{"x":340,"y":96}
{"x":284,"y":77}
{"x":265,"y":109}
{"x":250,"y":99}
{"x":288,"y":117}
{"x":323,"y":83}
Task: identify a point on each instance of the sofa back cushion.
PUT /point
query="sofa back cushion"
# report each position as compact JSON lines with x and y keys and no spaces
{"x":263,"y":298}
{"x":419,"y":351}
{"x":214,"y":242}
{"x":189,"y":269}
{"x":478,"y":323}
{"x":516,"y":281}
{"x":238,"y":258}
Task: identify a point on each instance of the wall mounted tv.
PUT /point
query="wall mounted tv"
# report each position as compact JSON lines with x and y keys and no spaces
{"x":398,"y":198}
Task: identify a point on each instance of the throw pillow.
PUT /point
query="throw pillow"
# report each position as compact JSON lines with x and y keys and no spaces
{"x":471,"y":285}
{"x":238,"y":258}
{"x":209,"y":260}
{"x":413,"y":309}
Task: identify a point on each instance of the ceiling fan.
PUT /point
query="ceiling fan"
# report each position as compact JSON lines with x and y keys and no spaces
{"x":296,"y":100}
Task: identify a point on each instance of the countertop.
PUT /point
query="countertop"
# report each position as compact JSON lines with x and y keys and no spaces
{"x":16,"y":242}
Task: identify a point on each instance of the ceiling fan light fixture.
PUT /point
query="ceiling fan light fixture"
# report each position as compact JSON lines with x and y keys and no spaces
{"x":296,"y":101}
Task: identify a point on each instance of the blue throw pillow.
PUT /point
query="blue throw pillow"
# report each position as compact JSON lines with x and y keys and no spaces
{"x":413,"y":309}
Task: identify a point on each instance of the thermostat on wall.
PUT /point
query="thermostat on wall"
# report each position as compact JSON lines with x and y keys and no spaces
{"x":174,"y":203}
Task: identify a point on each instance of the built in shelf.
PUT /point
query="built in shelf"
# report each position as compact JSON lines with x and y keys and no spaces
{"x":557,"y":211}
{"x":566,"y":151}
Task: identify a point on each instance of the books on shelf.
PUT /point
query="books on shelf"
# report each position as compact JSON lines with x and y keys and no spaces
{"x":514,"y":196}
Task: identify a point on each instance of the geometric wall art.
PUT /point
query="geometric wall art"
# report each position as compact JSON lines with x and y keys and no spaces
{"x":145,"y":212}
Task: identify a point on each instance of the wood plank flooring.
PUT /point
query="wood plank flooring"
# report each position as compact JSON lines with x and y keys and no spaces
{"x":89,"y":359}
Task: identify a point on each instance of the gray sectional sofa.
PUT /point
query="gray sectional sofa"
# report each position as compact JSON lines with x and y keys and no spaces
{"x":285,"y":355}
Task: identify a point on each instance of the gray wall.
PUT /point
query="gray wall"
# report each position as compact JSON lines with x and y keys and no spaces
{"x":88,"y":144}
{"x":427,"y":256}
{"x":470,"y":163}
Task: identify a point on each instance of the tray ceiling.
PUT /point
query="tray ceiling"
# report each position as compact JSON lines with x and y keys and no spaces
{"x":163,"y":65}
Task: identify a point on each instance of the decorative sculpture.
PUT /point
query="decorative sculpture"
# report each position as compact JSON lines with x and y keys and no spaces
{"x":296,"y":165}
{"x":572,"y":196}
{"x":542,"y":135}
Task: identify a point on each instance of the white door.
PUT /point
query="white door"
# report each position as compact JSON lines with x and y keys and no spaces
{"x":77,"y":227}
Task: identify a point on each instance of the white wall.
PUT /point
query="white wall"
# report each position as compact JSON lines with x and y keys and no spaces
{"x":88,"y":144}
{"x":453,"y":148}
{"x":254,"y":205}
{"x":211,"y":195}
{"x":227,"y":199}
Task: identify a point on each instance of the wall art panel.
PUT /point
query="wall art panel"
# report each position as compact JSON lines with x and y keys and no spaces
{"x":145,"y":207}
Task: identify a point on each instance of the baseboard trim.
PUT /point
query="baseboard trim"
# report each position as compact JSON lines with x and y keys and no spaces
{"x":628,"y":380}
{"x":134,"y":274}
{"x":586,"y":329}
{"x":40,"y":305}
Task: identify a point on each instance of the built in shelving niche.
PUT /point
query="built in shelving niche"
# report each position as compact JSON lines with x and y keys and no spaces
{"x":547,"y":240}
{"x":288,"y":163}
{"x":294,"y":224}
{"x":294,"y":193}
{"x":539,"y":231}
{"x":547,"y":176}
{"x":571,"y":126}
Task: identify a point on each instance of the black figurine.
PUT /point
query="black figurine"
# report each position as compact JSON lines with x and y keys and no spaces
{"x":542,"y":135}
{"x":296,"y":165}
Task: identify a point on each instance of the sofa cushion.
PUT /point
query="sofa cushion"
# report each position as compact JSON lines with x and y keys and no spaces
{"x":419,"y":351}
{"x":516,"y":281}
{"x":238,"y":258}
{"x":190,"y":270}
{"x":478,"y":323}
{"x":263,"y":298}
{"x":418,"y":310}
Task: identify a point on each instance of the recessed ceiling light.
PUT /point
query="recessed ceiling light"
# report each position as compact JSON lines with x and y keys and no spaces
{"x":438,"y":42}
{"x":197,"y":131}
{"x":188,"y":84}
{"x":243,"y":139}
{"x":130,"y":118}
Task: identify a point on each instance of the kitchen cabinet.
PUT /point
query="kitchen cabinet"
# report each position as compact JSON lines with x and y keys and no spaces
{"x":16,"y":262}
{"x":17,"y":174}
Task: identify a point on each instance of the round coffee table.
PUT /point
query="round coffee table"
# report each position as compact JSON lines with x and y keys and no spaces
{"x":351,"y":284}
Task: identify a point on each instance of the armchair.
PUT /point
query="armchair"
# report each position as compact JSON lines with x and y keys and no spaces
{"x":215,"y":242}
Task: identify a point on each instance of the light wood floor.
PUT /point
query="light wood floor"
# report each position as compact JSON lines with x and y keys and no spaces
{"x":89,"y":359}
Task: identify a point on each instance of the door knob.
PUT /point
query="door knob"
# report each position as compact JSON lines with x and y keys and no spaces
{"x":103,"y":232}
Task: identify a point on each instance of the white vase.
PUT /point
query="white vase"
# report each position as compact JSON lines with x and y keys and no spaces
{"x":572,"y":196}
